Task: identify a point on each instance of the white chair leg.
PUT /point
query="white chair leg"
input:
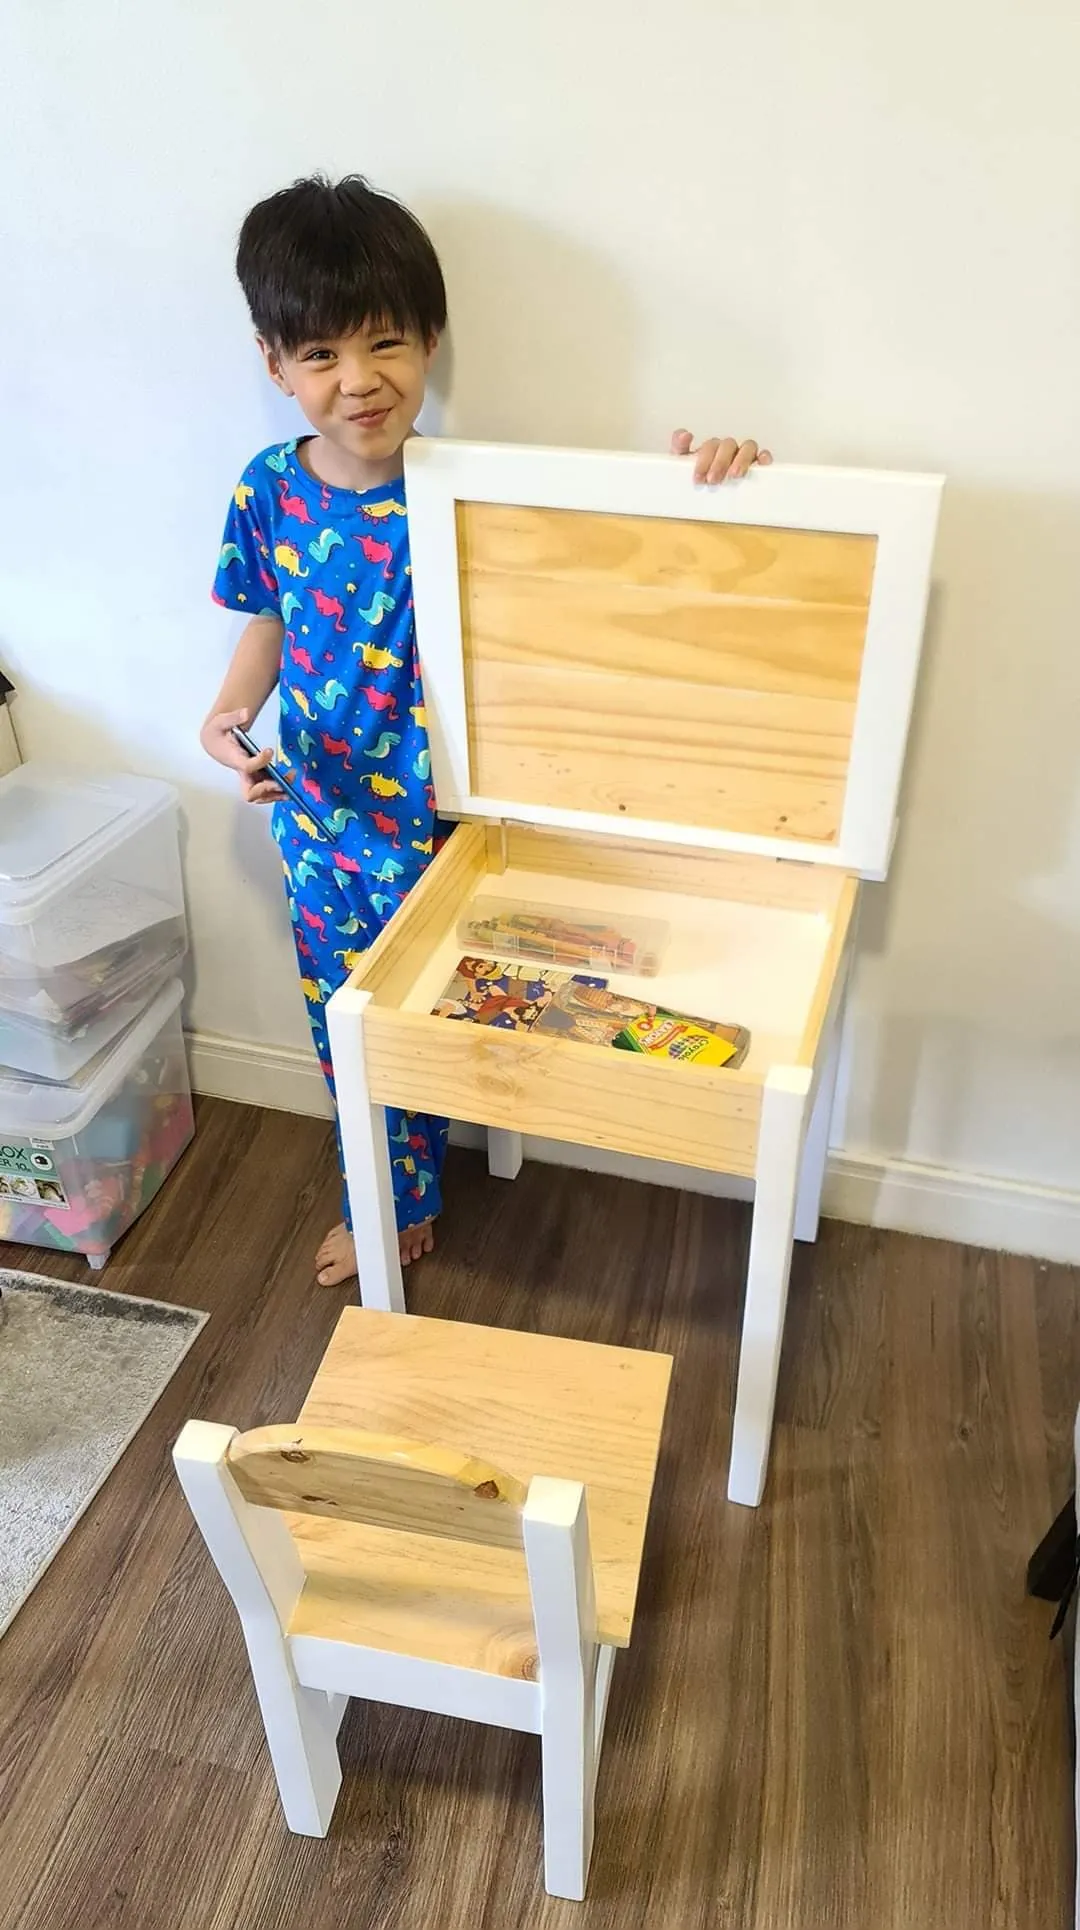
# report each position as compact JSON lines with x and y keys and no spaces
{"x":505,"y":1154}
{"x":561,"y":1583}
{"x":367,"y":1156}
{"x":605,"y":1663}
{"x":816,"y":1149}
{"x":780,"y":1139}
{"x":256,"y":1558}
{"x":301,"y":1732}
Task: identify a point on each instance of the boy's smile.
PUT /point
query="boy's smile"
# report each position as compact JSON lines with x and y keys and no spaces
{"x":362,"y":393}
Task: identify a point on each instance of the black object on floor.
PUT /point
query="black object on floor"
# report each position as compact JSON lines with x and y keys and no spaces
{"x":1053,"y":1569}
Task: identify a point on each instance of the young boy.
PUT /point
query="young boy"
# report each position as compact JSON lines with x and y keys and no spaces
{"x":348,"y":303}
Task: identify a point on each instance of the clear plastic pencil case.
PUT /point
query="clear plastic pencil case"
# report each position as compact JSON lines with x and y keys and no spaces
{"x":558,"y":935}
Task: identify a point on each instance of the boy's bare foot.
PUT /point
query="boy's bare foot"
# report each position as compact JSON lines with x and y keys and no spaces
{"x":336,"y":1259}
{"x":415,"y":1241}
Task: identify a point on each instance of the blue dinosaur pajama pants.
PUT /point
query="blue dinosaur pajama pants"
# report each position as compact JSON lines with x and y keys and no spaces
{"x":336,"y":914}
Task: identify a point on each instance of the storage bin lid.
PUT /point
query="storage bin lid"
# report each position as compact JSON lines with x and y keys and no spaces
{"x":31,"y":1109}
{"x":55,"y":824}
{"x":608,"y":649}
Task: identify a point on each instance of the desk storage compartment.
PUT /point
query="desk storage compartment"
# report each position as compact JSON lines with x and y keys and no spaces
{"x":752,"y":940}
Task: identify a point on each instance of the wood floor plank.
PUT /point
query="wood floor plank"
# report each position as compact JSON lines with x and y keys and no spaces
{"x":974,"y":1726}
{"x":1057,"y":1312}
{"x":839,"y":1709}
{"x":63,"y":1661}
{"x":115,"y":1868}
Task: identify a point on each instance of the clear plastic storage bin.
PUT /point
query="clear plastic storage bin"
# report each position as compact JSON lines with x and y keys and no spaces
{"x":58,"y":1054}
{"x":79,"y":1162}
{"x":91,"y":911}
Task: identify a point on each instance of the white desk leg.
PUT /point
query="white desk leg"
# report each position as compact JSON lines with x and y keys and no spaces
{"x":780,"y":1140}
{"x":367,"y":1156}
{"x":505,"y":1154}
{"x":816,"y":1150}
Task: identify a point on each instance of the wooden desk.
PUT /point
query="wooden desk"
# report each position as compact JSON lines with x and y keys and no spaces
{"x":647,"y":701}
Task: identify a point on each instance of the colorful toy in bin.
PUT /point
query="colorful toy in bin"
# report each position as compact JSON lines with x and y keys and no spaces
{"x":85,"y":1161}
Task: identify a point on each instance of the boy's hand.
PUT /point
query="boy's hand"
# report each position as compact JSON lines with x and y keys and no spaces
{"x":719,"y":458}
{"x":216,"y":737}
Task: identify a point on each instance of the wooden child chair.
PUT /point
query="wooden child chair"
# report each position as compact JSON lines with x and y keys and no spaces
{"x":373,"y":1563}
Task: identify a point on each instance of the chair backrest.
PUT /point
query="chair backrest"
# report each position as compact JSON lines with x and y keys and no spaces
{"x":349,"y":1475}
{"x":239,"y":1485}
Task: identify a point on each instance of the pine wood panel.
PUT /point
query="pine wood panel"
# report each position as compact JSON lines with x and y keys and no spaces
{"x":413,"y":1595}
{"x":530,"y":1402}
{"x":679,"y":672}
{"x":583,"y":1094}
{"x":349,"y":1474}
{"x":693,"y":641}
{"x":882,"y":1734}
{"x":653,"y":750}
{"x":832,"y":966}
{"x":391,"y":964}
{"x":780,"y":883}
{"x":712,"y":559}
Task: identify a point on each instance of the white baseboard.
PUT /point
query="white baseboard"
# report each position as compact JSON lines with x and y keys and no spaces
{"x":869,"y":1189}
{"x":946,"y":1203}
{"x":284,"y":1077}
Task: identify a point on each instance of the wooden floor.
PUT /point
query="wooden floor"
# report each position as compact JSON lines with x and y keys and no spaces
{"x":838,"y":1710}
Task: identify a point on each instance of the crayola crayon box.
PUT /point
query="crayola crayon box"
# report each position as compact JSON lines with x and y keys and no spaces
{"x":668,"y":1035}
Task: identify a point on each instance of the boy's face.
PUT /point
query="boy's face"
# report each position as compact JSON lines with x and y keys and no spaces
{"x":363,"y":391}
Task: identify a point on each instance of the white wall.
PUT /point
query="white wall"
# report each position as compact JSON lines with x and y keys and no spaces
{"x":849,"y":229}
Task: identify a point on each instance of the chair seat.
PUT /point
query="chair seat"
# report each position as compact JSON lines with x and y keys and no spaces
{"x":529,"y":1403}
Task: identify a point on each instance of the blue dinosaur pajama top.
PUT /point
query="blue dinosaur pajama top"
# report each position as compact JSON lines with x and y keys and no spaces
{"x":333,"y":565}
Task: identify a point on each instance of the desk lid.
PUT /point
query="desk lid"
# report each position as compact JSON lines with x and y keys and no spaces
{"x":608,"y":648}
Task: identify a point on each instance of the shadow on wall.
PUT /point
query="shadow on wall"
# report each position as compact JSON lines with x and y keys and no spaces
{"x":560,"y":368}
{"x":985,"y":883}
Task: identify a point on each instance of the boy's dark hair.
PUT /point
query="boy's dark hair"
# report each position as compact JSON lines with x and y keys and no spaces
{"x":321,"y":258}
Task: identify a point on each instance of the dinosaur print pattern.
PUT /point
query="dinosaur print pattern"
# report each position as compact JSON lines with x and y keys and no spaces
{"x":377,"y":552}
{"x":386,"y":744}
{"x":287,"y":557}
{"x":331,"y":694}
{"x":292,"y":505}
{"x":377,"y":609}
{"x":330,"y":606}
{"x":381,"y":512}
{"x":383,"y":786}
{"x":332,"y":905}
{"x":321,"y":545}
{"x":376,"y":659}
{"x":334,"y":565}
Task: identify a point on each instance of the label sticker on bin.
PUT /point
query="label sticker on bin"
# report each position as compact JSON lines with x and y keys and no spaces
{"x":29,"y":1175}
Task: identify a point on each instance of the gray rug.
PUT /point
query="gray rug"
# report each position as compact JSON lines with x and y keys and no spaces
{"x":80,"y":1370}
